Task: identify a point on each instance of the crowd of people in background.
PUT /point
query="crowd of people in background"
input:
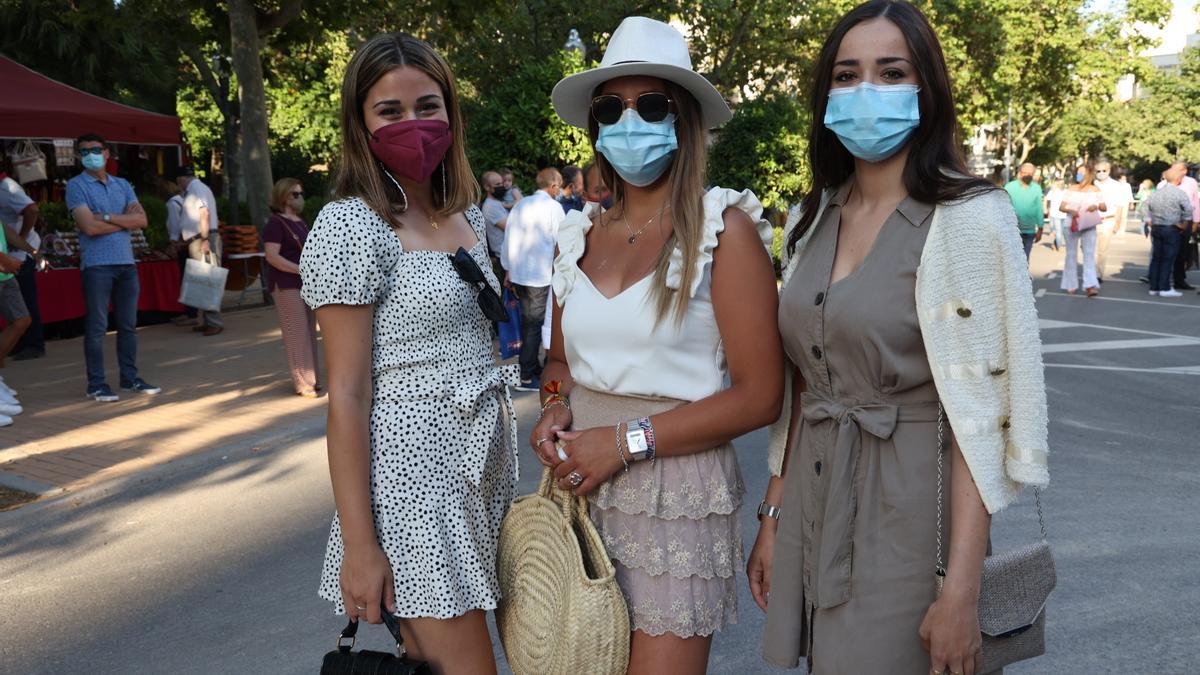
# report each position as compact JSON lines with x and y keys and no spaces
{"x":1084,"y":213}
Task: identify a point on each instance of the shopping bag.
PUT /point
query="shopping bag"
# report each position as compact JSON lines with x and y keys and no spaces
{"x":203,"y":285}
{"x":28,"y":162}
{"x":510,"y":331}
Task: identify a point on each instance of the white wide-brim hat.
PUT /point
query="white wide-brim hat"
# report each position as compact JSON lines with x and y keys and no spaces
{"x":640,"y":46}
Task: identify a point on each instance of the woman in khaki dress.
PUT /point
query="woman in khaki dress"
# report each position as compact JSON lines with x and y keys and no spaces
{"x":846,"y":572}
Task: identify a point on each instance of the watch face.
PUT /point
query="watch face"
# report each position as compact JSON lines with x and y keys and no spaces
{"x":637,"y":441}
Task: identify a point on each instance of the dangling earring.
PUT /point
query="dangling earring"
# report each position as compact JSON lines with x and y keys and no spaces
{"x":443,"y":184}
{"x":392,"y":178}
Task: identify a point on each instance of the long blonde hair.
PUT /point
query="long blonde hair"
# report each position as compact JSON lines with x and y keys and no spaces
{"x":359,"y":174}
{"x":686,"y":178}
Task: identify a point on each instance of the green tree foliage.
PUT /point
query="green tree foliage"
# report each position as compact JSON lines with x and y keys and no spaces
{"x":515,"y":126}
{"x":764,"y":148}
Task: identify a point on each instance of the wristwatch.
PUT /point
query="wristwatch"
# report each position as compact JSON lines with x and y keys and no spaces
{"x":635,"y":437}
{"x":107,"y":217}
{"x":765,"y":509}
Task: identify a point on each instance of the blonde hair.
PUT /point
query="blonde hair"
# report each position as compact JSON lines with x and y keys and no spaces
{"x":686,"y":178}
{"x":359,"y":174}
{"x":282,"y":192}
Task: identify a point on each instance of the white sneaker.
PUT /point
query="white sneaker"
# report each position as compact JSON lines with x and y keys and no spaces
{"x":7,"y":389}
{"x":5,"y":420}
{"x":8,"y":399}
{"x":10,"y":410}
{"x":1153,"y":292}
{"x":1170,"y":294}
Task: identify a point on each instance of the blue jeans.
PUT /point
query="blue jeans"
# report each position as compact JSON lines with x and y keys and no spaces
{"x":103,"y":284}
{"x":1027,"y":242}
{"x":33,"y":339}
{"x":1164,"y":246}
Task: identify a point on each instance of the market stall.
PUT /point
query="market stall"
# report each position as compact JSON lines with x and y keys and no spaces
{"x":38,"y":129}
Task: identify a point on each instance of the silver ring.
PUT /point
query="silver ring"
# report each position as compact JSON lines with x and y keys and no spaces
{"x":574,"y":478}
{"x":361,"y":609}
{"x":538,"y":443}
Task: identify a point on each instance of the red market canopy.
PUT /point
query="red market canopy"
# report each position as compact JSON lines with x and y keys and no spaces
{"x":37,"y":107}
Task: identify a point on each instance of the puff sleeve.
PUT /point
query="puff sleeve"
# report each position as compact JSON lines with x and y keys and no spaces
{"x":716,"y":201}
{"x":347,"y":257}
{"x":572,"y":241}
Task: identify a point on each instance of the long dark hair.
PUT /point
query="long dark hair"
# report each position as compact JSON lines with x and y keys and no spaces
{"x":935,"y":170}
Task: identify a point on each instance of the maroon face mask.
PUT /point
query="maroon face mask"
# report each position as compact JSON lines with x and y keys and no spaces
{"x":412,"y":148}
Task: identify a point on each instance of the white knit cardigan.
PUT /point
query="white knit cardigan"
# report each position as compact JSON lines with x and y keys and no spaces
{"x":980,"y":328}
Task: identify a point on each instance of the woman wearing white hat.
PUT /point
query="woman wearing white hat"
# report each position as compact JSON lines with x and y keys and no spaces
{"x":665,"y":343}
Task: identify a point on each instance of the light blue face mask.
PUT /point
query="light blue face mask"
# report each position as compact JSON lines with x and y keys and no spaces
{"x":873,"y":121}
{"x":92,"y":162}
{"x":638,"y":150}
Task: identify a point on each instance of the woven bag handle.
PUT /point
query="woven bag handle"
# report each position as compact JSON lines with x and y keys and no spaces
{"x":571,"y":503}
{"x":940,"y":570}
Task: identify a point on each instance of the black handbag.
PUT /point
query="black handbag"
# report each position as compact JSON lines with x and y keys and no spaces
{"x":343,"y":661}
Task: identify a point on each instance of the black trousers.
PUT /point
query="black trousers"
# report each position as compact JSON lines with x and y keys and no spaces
{"x":33,"y":339}
{"x":533,"y":313}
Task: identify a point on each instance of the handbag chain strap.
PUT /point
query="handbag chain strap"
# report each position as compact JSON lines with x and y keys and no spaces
{"x":940,"y":570}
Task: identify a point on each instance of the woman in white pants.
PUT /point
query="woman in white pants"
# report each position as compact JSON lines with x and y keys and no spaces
{"x":1082,"y":204}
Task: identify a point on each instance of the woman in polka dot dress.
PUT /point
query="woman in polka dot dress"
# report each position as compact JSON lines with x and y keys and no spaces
{"x":421,"y":432}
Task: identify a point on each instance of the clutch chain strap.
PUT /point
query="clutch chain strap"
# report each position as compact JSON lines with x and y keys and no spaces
{"x":940,"y":569}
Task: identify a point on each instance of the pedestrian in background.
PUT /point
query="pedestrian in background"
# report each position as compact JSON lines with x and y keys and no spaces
{"x":1145,"y":190}
{"x":1116,"y":196}
{"x":16,"y":320}
{"x":1083,"y":205}
{"x":528,"y":259}
{"x":495,"y":216}
{"x":1183,"y":255}
{"x":177,"y":246}
{"x":421,"y":430}
{"x":1027,"y":200}
{"x":20,"y":214}
{"x":512,"y":193}
{"x":595,"y":190}
{"x":1058,"y":219}
{"x":1167,"y":214}
{"x":572,"y":197}
{"x":105,"y":209}
{"x":202,"y":236}
{"x":283,"y":242}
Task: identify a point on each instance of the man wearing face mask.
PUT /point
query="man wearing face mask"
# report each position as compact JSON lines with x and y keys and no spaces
{"x":105,"y":209}
{"x":1116,"y":196}
{"x":595,"y":191}
{"x":198,"y":224}
{"x":572,"y":189}
{"x":495,"y":216}
{"x":1026,"y":195}
{"x":527,"y":256}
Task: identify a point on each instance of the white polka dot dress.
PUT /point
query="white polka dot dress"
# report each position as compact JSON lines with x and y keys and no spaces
{"x":443,"y":434}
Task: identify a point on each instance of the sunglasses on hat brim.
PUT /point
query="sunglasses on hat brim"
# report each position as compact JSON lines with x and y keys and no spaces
{"x":468,"y":270}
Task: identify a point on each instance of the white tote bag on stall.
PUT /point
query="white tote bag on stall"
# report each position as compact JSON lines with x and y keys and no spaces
{"x":203,"y":284}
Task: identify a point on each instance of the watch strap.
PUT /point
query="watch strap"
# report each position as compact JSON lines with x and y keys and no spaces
{"x":769,"y":510}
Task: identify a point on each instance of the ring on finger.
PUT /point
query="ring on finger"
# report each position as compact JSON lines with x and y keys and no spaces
{"x":360,"y":608}
{"x":574,"y":479}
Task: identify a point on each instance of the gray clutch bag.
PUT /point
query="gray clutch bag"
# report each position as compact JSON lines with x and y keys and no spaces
{"x":1013,"y":591}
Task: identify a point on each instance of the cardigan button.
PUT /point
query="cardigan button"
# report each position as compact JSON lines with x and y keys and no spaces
{"x":997,"y":372}
{"x":1006,"y":424}
{"x":820,"y":298}
{"x":817,"y":468}
{"x":964,"y":312}
{"x":816,"y":352}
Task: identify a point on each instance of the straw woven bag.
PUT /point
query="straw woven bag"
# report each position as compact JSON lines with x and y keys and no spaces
{"x":561,"y":610}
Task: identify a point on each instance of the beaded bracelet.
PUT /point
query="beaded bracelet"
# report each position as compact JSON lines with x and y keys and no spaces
{"x":620,"y":451}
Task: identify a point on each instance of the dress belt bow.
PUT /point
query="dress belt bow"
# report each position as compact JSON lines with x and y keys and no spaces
{"x":481,"y":400}
{"x":834,"y":562}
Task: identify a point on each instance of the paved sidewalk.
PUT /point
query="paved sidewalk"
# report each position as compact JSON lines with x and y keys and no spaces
{"x":231,"y":389}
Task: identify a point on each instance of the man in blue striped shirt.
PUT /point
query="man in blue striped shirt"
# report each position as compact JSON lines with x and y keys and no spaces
{"x":105,"y":210}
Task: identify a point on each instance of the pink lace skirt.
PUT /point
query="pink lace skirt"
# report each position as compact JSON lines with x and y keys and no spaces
{"x":670,"y":526}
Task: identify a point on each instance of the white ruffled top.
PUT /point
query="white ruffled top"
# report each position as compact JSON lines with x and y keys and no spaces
{"x":617,"y":346}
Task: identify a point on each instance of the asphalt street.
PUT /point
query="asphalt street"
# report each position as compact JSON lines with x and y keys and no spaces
{"x":210,"y":565}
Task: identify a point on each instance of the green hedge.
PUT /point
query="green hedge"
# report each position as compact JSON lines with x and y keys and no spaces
{"x":156,"y":221}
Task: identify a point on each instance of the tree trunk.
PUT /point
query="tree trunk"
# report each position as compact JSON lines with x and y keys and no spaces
{"x":243,"y":32}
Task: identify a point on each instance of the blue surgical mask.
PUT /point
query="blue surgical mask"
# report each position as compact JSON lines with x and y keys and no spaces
{"x":873,"y":121}
{"x":92,"y":162}
{"x":638,"y":150}
{"x":1079,"y":177}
